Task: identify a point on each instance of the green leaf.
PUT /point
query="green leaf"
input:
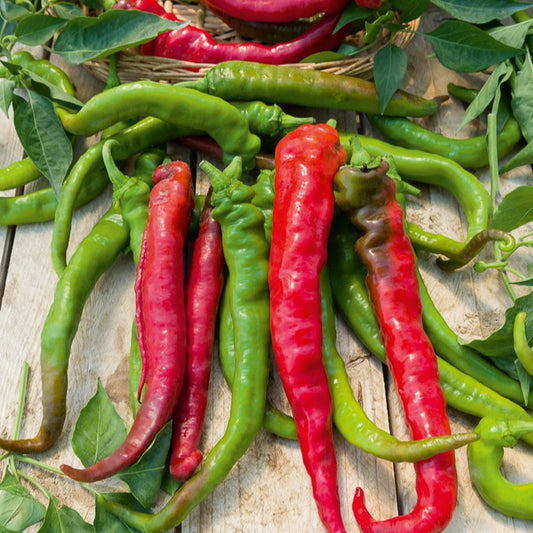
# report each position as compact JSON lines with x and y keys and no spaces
{"x":524,"y":282}
{"x":480,"y":11}
{"x":515,"y":209}
{"x":524,"y":379}
{"x":522,"y":98}
{"x":6,"y":94}
{"x":463,"y":47}
{"x":67,"y":11}
{"x":43,"y":137}
{"x":95,"y":5}
{"x":487,"y":93}
{"x":523,"y":157}
{"x":52,"y":91}
{"x":63,"y":519}
{"x":11,"y":11}
{"x":38,"y":29}
{"x":106,"y":521}
{"x":145,"y":476}
{"x":18,"y":508}
{"x":500,"y":343}
{"x":513,"y":34}
{"x":390,"y":66}
{"x":86,"y":38}
{"x":410,"y":9}
{"x":99,"y":429}
{"x":352,"y":13}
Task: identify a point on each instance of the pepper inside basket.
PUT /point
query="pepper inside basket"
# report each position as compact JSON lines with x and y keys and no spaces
{"x":133,"y":66}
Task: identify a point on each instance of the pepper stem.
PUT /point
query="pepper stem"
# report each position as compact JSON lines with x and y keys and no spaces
{"x":118,"y":179}
{"x":223,"y":181}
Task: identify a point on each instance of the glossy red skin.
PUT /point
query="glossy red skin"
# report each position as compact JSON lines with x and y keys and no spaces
{"x":279,"y":11}
{"x":306,"y":162}
{"x":371,"y":4}
{"x":160,"y":316}
{"x":196,"y":45}
{"x":393,"y":287}
{"x":203,"y":288}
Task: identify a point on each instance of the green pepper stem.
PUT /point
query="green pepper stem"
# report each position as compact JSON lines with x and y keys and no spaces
{"x":223,"y":181}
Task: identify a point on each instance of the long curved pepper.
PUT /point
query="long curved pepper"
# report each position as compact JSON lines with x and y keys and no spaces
{"x":368,"y":195}
{"x":203,"y":288}
{"x":160,"y":315}
{"x":306,"y":161}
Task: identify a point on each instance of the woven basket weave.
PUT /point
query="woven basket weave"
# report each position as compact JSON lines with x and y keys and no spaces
{"x":132,"y":66}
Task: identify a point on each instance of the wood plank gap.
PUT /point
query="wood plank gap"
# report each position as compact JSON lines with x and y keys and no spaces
{"x":6,"y":258}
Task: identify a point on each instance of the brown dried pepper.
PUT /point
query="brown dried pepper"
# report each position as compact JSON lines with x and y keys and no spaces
{"x":306,"y":161}
{"x":160,"y":316}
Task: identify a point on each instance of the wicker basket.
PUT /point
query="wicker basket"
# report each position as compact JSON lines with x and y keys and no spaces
{"x":133,"y":66}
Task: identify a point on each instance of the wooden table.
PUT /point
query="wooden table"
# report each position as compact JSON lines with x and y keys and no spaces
{"x":268,"y":490}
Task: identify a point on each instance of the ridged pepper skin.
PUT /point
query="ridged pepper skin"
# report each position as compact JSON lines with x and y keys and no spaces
{"x":306,"y":162}
{"x":160,"y":317}
{"x":369,"y":196}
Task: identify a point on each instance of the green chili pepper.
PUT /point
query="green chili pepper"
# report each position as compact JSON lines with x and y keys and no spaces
{"x":40,"y":206}
{"x":95,"y":254}
{"x":523,"y":351}
{"x":463,"y":357}
{"x":246,"y":80}
{"x":347,"y":276}
{"x":46,"y":70}
{"x":246,"y":255}
{"x":271,"y":120}
{"x":484,"y":462}
{"x":468,"y":152}
{"x":179,"y":106}
{"x":18,"y":173}
{"x":275,"y":421}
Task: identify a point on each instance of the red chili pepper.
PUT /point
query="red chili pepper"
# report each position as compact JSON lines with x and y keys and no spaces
{"x":306,"y":161}
{"x":278,"y":11}
{"x":371,"y":4}
{"x":194,"y":44}
{"x":160,"y":315}
{"x":393,"y":288}
{"x":202,"y":293}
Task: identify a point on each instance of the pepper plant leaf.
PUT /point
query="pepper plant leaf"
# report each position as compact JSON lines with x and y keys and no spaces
{"x":107,"y":521}
{"x":481,"y":11}
{"x":63,"y":519}
{"x":352,"y":13}
{"x":522,"y":99}
{"x":500,"y":343}
{"x":145,"y":476}
{"x":409,"y":9}
{"x":464,"y":47}
{"x":515,"y":209}
{"x":86,"y":38}
{"x":390,"y":66}
{"x":99,"y":429}
{"x":18,"y":508}
{"x":66,"y":10}
{"x":52,"y":92}
{"x":512,"y":34}
{"x":11,"y":11}
{"x":37,"y":29}
{"x":487,"y":93}
{"x":6,"y":94}
{"x":43,"y":137}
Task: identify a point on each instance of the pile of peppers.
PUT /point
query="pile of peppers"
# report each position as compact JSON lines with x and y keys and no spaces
{"x":318,"y":225}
